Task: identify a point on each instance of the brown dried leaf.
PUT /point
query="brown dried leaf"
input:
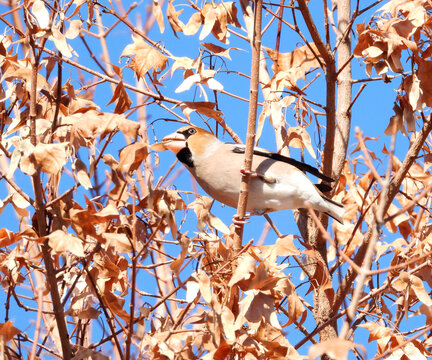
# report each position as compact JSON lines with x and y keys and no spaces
{"x":257,"y":308}
{"x":424,"y":75}
{"x":122,"y":99}
{"x":131,"y":157}
{"x":296,"y":308}
{"x":376,"y":331}
{"x":202,"y":107}
{"x":298,"y":137}
{"x":201,"y":206}
{"x":8,"y":237}
{"x":119,"y":241}
{"x":145,"y":58}
{"x":62,"y":242}
{"x":420,"y":291}
{"x":50,"y":158}
{"x":8,"y":332}
{"x":172,"y":16}
{"x":82,"y":174}
{"x":178,"y":262}
{"x":157,"y":13}
{"x":218,"y":50}
{"x":115,"y":304}
{"x":244,"y":271}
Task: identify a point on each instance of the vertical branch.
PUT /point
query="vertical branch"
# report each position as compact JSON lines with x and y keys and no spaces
{"x":39,"y":205}
{"x":250,"y":137}
{"x":344,"y":89}
{"x":330,"y":70}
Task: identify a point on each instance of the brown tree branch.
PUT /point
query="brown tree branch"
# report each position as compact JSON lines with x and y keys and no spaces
{"x":250,"y":136}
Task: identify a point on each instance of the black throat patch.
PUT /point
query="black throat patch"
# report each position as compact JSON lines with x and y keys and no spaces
{"x":185,"y":156}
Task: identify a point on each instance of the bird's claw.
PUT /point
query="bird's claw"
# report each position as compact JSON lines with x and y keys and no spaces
{"x":254,"y":174}
{"x":249,"y":172}
{"x":238,"y":222}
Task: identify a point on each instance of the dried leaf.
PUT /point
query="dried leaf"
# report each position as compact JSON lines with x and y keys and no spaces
{"x":145,"y":58}
{"x":50,"y":158}
{"x":60,"y":43}
{"x":62,"y":242}
{"x":298,"y":137}
{"x":131,"y":157}
{"x":202,"y":107}
{"x":41,"y":14}
{"x":157,"y":13}
{"x":74,"y":29}
{"x":122,"y":99}
{"x":8,"y":332}
{"x":201,"y":206}
{"x":218,"y":50}
{"x":172,"y":16}
{"x":82,"y":174}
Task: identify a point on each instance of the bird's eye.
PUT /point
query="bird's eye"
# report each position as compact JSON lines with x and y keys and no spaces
{"x":192,"y":131}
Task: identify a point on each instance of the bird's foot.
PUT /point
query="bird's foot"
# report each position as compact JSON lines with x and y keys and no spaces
{"x":238,"y":222}
{"x":249,"y":172}
{"x":254,"y":174}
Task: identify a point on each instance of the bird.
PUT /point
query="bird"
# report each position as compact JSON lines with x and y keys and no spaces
{"x":276,"y":183}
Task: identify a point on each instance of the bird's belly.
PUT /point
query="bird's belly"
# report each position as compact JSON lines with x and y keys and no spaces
{"x":272,"y":197}
{"x":262,"y":196}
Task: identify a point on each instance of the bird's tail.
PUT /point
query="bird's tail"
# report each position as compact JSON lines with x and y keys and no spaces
{"x":334,"y":209}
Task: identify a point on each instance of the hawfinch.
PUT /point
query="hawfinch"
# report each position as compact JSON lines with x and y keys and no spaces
{"x":277,"y":182}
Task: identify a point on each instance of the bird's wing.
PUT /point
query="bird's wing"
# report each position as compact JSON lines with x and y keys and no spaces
{"x":240,"y":149}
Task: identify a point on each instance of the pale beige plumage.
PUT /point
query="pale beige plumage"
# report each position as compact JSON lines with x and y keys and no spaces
{"x":277,"y":182}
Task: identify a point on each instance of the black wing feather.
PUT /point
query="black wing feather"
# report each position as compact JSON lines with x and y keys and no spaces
{"x":278,"y":157}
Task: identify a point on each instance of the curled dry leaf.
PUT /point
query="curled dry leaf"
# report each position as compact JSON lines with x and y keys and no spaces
{"x":74,"y":29}
{"x":119,"y":241}
{"x":62,"y":242}
{"x":82,"y":174}
{"x":50,"y":158}
{"x":8,"y":237}
{"x":298,"y":137}
{"x":201,"y":206}
{"x":157,"y":13}
{"x":121,"y":98}
{"x":131,"y":157}
{"x":256,"y":309}
{"x":218,"y":50}
{"x":144,"y":57}
{"x":203,"y":107}
{"x":41,"y":14}
{"x":215,"y":18}
{"x":173,"y":18}
{"x":407,"y":281}
{"x":290,"y":67}
{"x":60,"y":42}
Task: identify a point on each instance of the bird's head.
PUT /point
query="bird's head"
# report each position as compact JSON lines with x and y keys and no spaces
{"x":197,"y":140}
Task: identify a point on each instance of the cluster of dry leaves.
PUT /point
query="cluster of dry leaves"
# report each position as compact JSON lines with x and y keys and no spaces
{"x":96,"y":226}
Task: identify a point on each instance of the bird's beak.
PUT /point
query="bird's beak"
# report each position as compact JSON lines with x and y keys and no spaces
{"x":174,"y":142}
